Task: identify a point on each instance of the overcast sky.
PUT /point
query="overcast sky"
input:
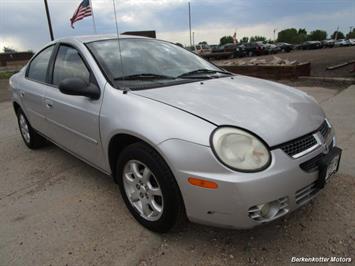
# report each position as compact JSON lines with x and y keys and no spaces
{"x":23,"y":23}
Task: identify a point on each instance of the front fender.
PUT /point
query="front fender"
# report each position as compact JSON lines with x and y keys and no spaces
{"x":148,"y":120}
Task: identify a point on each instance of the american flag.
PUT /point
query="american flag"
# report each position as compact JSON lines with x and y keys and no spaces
{"x":83,"y":10}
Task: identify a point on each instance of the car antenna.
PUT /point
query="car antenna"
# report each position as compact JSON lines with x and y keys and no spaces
{"x":125,"y":90}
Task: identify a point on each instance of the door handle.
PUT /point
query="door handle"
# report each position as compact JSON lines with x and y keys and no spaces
{"x":22,"y":94}
{"x":49,"y":104}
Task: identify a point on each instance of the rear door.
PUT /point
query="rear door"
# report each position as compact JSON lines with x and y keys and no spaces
{"x":73,"y":121}
{"x":33,"y":87}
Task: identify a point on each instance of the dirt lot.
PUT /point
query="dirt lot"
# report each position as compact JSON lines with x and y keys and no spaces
{"x":4,"y":92}
{"x":320,"y":60}
{"x":56,"y":210}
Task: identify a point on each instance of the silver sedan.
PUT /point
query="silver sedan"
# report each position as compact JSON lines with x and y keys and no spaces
{"x":180,"y":136}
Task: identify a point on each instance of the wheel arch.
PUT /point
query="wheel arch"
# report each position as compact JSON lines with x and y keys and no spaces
{"x":16,"y":106}
{"x":120,"y":141}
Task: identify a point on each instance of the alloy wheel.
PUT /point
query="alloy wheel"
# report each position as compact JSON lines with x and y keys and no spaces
{"x":24,"y":128}
{"x":143,"y":190}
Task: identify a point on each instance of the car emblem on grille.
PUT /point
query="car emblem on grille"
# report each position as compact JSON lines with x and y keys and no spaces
{"x":326,"y":148}
{"x":322,"y":142}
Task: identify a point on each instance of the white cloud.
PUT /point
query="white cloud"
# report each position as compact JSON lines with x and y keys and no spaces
{"x":23,"y":23}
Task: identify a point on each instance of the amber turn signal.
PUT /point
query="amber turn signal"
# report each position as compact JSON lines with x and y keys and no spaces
{"x":202,"y":183}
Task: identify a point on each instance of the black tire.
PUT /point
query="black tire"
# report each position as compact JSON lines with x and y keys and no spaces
{"x":173,"y":214}
{"x":35,"y":140}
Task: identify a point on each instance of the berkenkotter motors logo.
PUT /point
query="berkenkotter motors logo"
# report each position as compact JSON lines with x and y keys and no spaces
{"x":321,"y":259}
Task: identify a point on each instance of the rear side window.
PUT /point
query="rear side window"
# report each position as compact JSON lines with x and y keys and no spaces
{"x":39,"y":65}
{"x":69,"y":65}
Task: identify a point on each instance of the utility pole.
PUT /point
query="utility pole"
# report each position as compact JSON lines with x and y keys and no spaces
{"x":49,"y":21}
{"x":190,"y":24}
{"x":275,"y":34}
{"x":336,"y":34}
{"x":351,"y":29}
{"x":193,"y":38}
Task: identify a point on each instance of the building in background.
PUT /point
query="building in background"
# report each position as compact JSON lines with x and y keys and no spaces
{"x":146,"y":33}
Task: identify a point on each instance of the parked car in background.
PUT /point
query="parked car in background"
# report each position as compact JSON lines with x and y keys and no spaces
{"x":352,"y":42}
{"x":226,"y":51}
{"x":239,"y":51}
{"x":252,"y":49}
{"x":271,"y":48}
{"x":328,"y":43}
{"x":229,"y":47}
{"x":218,"y":49}
{"x":342,"y":43}
{"x":213,"y":47}
{"x":285,"y":47}
{"x":202,"y":49}
{"x":309,"y":45}
{"x":231,"y":151}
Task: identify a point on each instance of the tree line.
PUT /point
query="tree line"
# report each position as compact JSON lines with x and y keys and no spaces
{"x":293,"y":36}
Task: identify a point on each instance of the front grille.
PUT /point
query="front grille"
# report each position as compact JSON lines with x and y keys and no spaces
{"x":299,"y":145}
{"x":306,"y":142}
{"x":324,"y":129}
{"x":305,"y":194}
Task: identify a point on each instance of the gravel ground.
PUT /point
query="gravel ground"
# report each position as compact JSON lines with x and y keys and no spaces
{"x":4,"y":91}
{"x":320,"y":60}
{"x":56,"y":210}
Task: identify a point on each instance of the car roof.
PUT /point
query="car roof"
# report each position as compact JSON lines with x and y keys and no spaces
{"x":92,"y":38}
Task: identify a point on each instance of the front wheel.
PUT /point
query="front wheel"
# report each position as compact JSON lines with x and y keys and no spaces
{"x":148,"y":188}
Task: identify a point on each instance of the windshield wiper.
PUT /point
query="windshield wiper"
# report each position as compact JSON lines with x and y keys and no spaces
{"x":144,"y":76}
{"x":202,"y":71}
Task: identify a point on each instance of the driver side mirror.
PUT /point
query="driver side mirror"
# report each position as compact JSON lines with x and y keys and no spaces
{"x":78,"y":87}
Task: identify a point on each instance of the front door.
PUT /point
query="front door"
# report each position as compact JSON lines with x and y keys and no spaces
{"x":73,"y":121}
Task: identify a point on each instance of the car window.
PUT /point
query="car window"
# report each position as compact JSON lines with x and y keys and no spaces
{"x":38,"y":67}
{"x":69,"y":64}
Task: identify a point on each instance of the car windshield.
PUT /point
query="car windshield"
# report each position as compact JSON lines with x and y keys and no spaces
{"x":150,"y":62}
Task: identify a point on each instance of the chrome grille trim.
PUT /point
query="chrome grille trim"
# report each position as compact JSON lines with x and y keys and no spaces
{"x":301,"y":146}
{"x":306,"y":144}
{"x":300,"y":154}
{"x":325,"y":128}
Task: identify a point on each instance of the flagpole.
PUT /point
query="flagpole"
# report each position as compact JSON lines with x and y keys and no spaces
{"x":49,"y":20}
{"x":93,"y":17}
{"x":118,"y":37}
{"x":190,"y":24}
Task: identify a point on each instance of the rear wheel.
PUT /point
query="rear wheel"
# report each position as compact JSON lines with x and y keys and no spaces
{"x":31,"y":138}
{"x":148,"y":188}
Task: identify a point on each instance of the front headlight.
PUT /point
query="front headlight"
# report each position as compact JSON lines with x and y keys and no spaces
{"x":239,"y":149}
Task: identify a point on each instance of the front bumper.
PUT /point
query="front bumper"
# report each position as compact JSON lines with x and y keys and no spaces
{"x":232,"y":205}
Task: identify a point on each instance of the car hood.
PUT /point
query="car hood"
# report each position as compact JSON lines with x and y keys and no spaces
{"x":275,"y":112}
